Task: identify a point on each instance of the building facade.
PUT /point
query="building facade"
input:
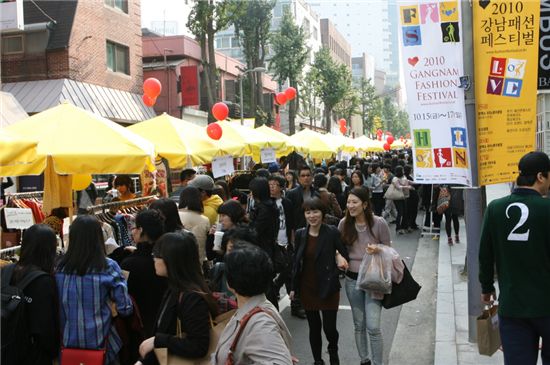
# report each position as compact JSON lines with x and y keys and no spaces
{"x":89,"y":51}
{"x":164,"y":58}
{"x":339,"y":47}
{"x":368,"y":26}
{"x":362,"y":68}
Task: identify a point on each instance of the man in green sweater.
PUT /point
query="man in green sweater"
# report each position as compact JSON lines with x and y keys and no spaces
{"x":515,"y":237}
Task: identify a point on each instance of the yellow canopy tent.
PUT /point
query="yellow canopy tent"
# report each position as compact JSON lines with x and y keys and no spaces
{"x":251,"y":139}
{"x":77,"y":141}
{"x":276,"y":136}
{"x":18,"y":155}
{"x":342,"y":143}
{"x":366,"y":144}
{"x":184,"y":143}
{"x":313,"y":143}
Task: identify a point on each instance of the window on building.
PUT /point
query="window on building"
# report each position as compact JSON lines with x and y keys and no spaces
{"x":12,"y":44}
{"x":314,"y":33}
{"x":121,"y":5}
{"x":118,"y":58}
{"x":235,"y":42}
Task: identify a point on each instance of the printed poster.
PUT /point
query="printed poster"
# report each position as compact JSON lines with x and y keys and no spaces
{"x":431,"y":50}
{"x":506,"y":46}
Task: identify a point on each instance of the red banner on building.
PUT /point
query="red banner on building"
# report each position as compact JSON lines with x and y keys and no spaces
{"x":190,"y":92}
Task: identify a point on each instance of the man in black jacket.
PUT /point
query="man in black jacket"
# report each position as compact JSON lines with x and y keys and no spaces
{"x":305,"y":189}
{"x":284,"y":248}
{"x":296,"y":196}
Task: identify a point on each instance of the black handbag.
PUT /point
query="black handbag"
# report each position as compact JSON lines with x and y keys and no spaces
{"x":403,"y":292}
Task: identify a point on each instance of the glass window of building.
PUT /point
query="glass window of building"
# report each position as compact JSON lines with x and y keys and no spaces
{"x":118,"y":58}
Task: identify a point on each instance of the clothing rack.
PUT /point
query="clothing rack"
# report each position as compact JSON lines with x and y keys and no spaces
{"x":31,"y":194}
{"x":6,"y":252}
{"x":120,"y":204}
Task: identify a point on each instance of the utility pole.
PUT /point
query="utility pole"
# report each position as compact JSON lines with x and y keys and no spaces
{"x":474,"y":197}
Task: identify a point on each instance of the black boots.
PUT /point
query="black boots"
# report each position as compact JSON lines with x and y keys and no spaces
{"x":320,"y":362}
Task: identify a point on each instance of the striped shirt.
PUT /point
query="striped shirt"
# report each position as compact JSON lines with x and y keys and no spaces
{"x":85,"y":311}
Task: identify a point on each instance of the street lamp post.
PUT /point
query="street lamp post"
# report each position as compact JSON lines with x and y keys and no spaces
{"x":256,"y":69}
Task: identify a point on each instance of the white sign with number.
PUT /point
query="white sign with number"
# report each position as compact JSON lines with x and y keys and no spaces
{"x":18,"y":218}
{"x":267,"y":155}
{"x":222,"y":166}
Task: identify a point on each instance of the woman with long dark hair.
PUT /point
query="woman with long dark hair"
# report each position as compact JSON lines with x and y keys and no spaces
{"x":360,"y":230}
{"x":38,"y":342}
{"x":143,"y":284}
{"x":187,"y":300}
{"x":335,"y":187}
{"x":315,"y":278}
{"x":83,"y":273}
{"x":192,"y":218}
{"x":357,"y":179}
{"x":291,"y":180}
{"x":169,"y":209}
{"x":264,"y":219}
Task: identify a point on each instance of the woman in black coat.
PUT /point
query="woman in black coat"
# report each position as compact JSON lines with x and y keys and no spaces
{"x":315,"y":277}
{"x":187,"y":299}
{"x":35,"y":338}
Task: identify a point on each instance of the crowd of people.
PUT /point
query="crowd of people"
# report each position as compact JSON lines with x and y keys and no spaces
{"x":219,"y":249}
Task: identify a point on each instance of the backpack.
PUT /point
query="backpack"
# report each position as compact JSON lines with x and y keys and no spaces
{"x":443,"y":200}
{"x":15,"y":324}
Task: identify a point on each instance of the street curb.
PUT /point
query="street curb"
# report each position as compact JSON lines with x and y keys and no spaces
{"x":414,"y":338}
{"x":445,"y":327}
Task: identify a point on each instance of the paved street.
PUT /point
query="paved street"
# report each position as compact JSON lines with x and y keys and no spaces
{"x":406,"y":245}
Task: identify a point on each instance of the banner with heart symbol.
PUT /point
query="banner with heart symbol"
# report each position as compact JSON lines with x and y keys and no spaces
{"x":506,"y":50}
{"x":432,"y":63}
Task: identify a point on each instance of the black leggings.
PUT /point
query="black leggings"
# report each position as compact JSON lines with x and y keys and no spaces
{"x":329,"y":327}
{"x":456,"y":224}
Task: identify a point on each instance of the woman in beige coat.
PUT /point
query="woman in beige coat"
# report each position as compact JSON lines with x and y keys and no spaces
{"x":264,"y":338}
{"x":190,"y":211}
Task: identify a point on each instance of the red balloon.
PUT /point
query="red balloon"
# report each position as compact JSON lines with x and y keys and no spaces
{"x":342,"y":122}
{"x":220,"y":111}
{"x":149,"y":101}
{"x":387,"y":147}
{"x":290,"y":93}
{"x":390,"y":140}
{"x":281,"y":98}
{"x":379,"y":131}
{"x":343,"y":129}
{"x":214,"y":131}
{"x":379,"y":137}
{"x":152,"y":87}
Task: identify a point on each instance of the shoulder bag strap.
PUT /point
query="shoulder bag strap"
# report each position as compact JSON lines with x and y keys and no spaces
{"x":242,"y":325}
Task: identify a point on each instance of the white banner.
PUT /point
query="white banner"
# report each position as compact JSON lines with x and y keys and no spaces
{"x":222,"y":166}
{"x":18,"y":218}
{"x":431,"y":53}
{"x":267,"y":155}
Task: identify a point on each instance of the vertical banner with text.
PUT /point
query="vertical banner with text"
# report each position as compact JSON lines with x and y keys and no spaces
{"x":431,"y":53}
{"x":506,"y":35}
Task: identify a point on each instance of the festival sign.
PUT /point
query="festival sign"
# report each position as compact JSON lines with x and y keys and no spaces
{"x":431,"y":49}
{"x":506,"y":46}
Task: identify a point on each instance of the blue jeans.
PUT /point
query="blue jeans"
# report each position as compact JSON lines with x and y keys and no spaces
{"x":520,"y":340}
{"x":366,"y":320}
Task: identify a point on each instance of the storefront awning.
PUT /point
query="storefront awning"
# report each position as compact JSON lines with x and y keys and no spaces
{"x":116,"y":105}
{"x":10,"y":110}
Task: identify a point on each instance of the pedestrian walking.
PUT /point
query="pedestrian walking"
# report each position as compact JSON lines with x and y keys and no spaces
{"x":315,"y":278}
{"x":377,"y":190}
{"x":412,"y":201}
{"x":401,"y":183}
{"x":361,"y":228}
{"x":451,"y":214}
{"x":515,"y":238}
